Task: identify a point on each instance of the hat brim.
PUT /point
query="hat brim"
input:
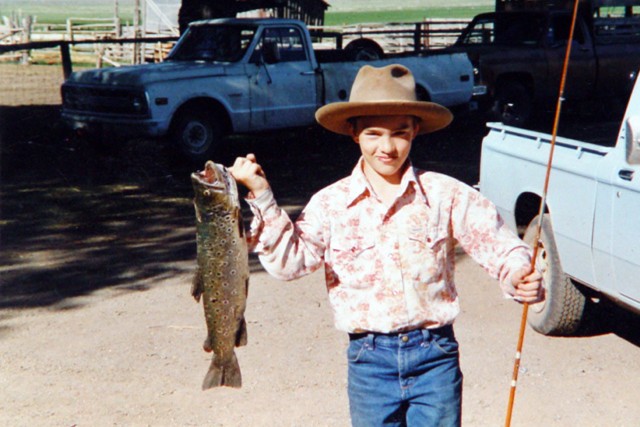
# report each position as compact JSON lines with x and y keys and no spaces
{"x":335,"y":116}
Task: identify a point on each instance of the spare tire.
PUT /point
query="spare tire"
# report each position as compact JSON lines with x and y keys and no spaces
{"x":364,"y":50}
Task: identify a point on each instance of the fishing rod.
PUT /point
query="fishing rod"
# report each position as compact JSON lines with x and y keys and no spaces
{"x":543,"y":202}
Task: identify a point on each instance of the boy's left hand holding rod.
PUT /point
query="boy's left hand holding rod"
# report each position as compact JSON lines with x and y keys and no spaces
{"x":528,"y":286}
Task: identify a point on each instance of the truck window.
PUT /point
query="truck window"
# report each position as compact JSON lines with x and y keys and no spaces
{"x":506,"y":30}
{"x":217,"y":43}
{"x":558,"y":32}
{"x":285,"y":43}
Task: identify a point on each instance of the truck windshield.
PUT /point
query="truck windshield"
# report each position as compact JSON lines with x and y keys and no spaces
{"x":509,"y":30}
{"x":216,"y":43}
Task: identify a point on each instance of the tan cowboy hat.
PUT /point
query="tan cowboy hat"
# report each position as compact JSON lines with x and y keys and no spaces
{"x":385,"y":91}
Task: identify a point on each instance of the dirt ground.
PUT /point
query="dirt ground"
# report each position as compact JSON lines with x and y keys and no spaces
{"x":97,"y":327}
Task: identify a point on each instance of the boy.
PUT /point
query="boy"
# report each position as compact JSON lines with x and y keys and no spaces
{"x":385,"y":236}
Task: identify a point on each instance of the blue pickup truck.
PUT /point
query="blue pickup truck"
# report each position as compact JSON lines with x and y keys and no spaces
{"x":230,"y":76}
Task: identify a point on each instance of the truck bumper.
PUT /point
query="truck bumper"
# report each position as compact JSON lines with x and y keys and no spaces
{"x":125,"y":127}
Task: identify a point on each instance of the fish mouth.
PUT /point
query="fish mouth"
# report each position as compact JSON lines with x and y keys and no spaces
{"x":209,"y":176}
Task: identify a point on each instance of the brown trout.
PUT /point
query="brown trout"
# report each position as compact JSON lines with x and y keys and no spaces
{"x":222,"y":275}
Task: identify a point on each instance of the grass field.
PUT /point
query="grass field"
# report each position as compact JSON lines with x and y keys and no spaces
{"x":341,"y":12}
{"x":404,"y":15}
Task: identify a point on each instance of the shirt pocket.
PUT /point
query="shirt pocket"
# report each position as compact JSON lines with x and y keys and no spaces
{"x":353,"y":261}
{"x":427,"y":239}
{"x":426,"y":254}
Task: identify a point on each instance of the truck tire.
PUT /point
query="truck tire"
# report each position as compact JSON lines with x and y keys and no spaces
{"x":562,"y":310}
{"x":364,"y":50}
{"x":512,"y":104}
{"x":197,"y":133}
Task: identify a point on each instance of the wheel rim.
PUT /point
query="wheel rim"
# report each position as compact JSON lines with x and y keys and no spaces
{"x":366,"y":55}
{"x":542,"y":264}
{"x":195,"y":137}
{"x":512,"y":111}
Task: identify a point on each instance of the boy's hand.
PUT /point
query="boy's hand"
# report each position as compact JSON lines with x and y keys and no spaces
{"x":528,"y":286}
{"x":249,"y":173}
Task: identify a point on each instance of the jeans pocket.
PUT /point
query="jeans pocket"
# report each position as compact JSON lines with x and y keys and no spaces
{"x":356,"y":350}
{"x":447,"y":345}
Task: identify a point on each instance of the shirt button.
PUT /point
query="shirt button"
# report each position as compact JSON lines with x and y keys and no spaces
{"x":404,"y":338}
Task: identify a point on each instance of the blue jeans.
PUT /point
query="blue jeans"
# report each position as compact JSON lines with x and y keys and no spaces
{"x":408,"y":379}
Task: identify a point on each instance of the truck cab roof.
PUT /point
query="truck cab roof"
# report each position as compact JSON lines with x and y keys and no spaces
{"x":248,"y":21}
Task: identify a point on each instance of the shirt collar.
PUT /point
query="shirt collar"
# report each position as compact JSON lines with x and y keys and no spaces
{"x":359,"y":187}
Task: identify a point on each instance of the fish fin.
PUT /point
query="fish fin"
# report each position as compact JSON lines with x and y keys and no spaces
{"x":197,"y":286}
{"x":241,"y":335}
{"x":198,"y":216}
{"x":226,"y":374}
{"x":238,"y":215}
{"x":206,"y":345}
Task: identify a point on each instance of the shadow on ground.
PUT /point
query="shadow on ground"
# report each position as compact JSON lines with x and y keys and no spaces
{"x":76,"y":218}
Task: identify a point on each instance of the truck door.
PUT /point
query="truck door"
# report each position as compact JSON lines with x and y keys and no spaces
{"x":282,"y":80}
{"x":617,"y":227}
{"x":626,"y":230}
{"x":581,"y":76}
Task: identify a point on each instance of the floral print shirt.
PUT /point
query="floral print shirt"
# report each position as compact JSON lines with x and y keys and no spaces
{"x":388,"y":268}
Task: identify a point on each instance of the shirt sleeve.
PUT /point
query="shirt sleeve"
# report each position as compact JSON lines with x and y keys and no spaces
{"x":483,"y":234}
{"x":286,"y":250}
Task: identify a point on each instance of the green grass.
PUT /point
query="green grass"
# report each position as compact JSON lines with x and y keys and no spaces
{"x":405,"y":15}
{"x":57,"y":11}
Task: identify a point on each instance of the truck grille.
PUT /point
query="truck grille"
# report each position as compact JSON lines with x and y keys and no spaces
{"x":107,"y":101}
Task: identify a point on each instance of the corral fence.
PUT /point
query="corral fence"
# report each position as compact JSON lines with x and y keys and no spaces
{"x":32,"y":73}
{"x":403,"y":37}
{"x":38,"y":81}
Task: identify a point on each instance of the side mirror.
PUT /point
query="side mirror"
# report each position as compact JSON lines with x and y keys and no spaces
{"x":632,"y":139}
{"x":270,"y":52}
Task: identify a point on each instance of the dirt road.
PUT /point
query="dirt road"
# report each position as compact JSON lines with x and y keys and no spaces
{"x":97,"y":327}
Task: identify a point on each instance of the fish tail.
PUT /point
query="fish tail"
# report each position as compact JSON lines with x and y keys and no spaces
{"x":223,"y":374}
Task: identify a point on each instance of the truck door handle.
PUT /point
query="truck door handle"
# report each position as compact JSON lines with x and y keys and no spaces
{"x":625,"y":174}
{"x":308,"y":73}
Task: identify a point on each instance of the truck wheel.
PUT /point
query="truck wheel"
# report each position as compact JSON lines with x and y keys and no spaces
{"x":364,"y":50}
{"x":562,"y":310}
{"x":512,"y":104}
{"x":197,"y":134}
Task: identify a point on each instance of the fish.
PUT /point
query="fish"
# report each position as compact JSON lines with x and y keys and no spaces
{"x":222,"y":274}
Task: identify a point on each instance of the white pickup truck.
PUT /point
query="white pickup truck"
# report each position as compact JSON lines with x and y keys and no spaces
{"x":590,"y":241}
{"x":236,"y":76}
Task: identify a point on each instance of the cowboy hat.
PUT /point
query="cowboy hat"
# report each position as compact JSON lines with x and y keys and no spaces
{"x":385,"y":91}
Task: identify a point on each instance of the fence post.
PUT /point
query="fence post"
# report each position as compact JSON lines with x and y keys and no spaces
{"x":417,"y":37}
{"x":136,"y":31}
{"x":69,"y":30}
{"x":26,"y":38}
{"x":427,"y":34}
{"x":66,"y":60}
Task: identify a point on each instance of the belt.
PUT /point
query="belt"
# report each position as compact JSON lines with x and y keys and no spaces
{"x":359,"y":335}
